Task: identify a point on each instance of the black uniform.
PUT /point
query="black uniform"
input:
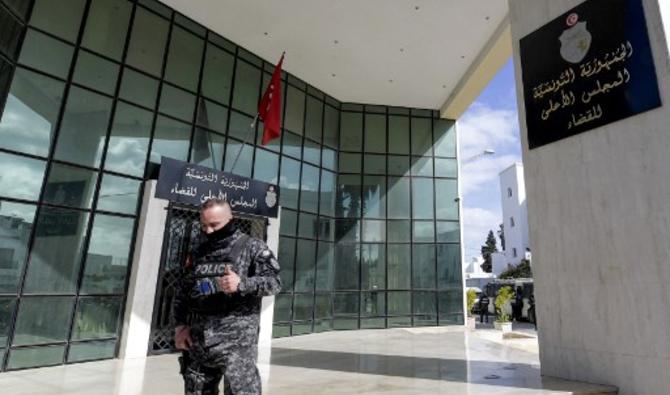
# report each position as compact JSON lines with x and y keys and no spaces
{"x":224,"y":328}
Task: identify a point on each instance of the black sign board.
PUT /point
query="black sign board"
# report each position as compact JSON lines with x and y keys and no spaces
{"x":589,"y":67}
{"x":191,"y":184}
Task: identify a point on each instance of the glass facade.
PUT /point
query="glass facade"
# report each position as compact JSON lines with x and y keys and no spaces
{"x":93,"y":98}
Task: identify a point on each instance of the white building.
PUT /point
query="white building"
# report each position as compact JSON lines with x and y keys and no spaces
{"x":515,"y":218}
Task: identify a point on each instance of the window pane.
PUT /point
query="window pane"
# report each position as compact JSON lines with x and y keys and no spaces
{"x":157,"y":7}
{"x":345,"y":304}
{"x":21,"y":177}
{"x":295,"y":109}
{"x":422,"y":198}
{"x":350,"y":163}
{"x":212,"y":116}
{"x":266,"y":166}
{"x":244,"y":161}
{"x":70,"y":186}
{"x":424,"y":231}
{"x":286,"y":255}
{"x":326,"y":228}
{"x":184,"y":57}
{"x":328,"y":186}
{"x":398,"y":135}
{"x":82,"y":134}
{"x":60,"y":18}
{"x":313,"y":118}
{"x":37,"y":356}
{"x":107,"y":256}
{"x":106,"y":27}
{"x":446,"y":193}
{"x":91,"y":350}
{"x":129,"y":140}
{"x":448,"y":232}
{"x":312,"y":152}
{"x":325,"y":267}
{"x":31,"y":112}
{"x":217,"y":74}
{"x":398,"y":165}
{"x":7,"y":305}
{"x":351,"y":131}
{"x":323,"y":306}
{"x":303,"y":306}
{"x":375,"y":164}
{"x":240,"y":126}
{"x":147,"y":44}
{"x":448,"y":265}
{"x":56,"y":251}
{"x":304,"y":266}
{"x":11,"y":31}
{"x":425,"y":303}
{"x":374,"y":197}
{"x":398,"y":266}
{"x":289,"y":181}
{"x":309,"y":195}
{"x":348,"y":197}
{"x":423,"y":266}
{"x":46,"y":54}
{"x":446,"y":168}
{"x":373,"y":304}
{"x":374,"y":231}
{"x":20,"y":6}
{"x":118,"y":194}
{"x":283,"y":308}
{"x":398,"y":231}
{"x":247,"y":84}
{"x":398,"y":197}
{"x":292,"y":145}
{"x":422,"y":166}
{"x":289,"y":222}
{"x":15,"y":226}
{"x":177,"y":102}
{"x":346,"y":267}
{"x":42,"y":319}
{"x":373,"y":266}
{"x":421,"y":137}
{"x":451,"y":307}
{"x":171,"y":139}
{"x":96,"y":72}
{"x":96,"y":318}
{"x":445,"y":138}
{"x":139,"y":88}
{"x":399,"y":303}
{"x":330,"y":127}
{"x":207,"y":149}
{"x":308,"y":226}
{"x":375,"y":133}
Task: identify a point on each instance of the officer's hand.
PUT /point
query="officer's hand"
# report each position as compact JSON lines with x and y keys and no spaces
{"x":182,"y":337}
{"x":230,"y":281}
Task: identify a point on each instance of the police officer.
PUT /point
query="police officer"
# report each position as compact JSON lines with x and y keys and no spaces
{"x":484,"y":308}
{"x":217,"y":305}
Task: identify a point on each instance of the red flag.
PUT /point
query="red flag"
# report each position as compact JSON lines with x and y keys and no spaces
{"x":269,"y":109}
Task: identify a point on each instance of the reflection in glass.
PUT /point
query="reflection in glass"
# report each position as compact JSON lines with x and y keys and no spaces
{"x":375,"y":133}
{"x":447,"y":203}
{"x":448,"y":232}
{"x":217,"y":74}
{"x":445,"y":138}
{"x":96,"y":72}
{"x":106,"y":27}
{"x":422,"y":198}
{"x":311,"y":152}
{"x":398,"y":197}
{"x":328,"y":186}
{"x":240,"y":126}
{"x":308,"y":226}
{"x":398,"y":258}
{"x":16,"y":222}
{"x":129,"y":140}
{"x":42,"y":319}
{"x":46,"y":54}
{"x":107,"y":255}
{"x":118,"y":194}
{"x":82,"y":134}
{"x":331,"y":125}
{"x":423,"y":266}
{"x":303,"y":305}
{"x":422,"y":166}
{"x":374,"y":231}
{"x":171,"y":139}
{"x":422,"y":140}
{"x":346,"y":304}
{"x":348,"y":202}
{"x":446,"y":168}
{"x":349,"y":163}
{"x":61,"y":18}
{"x":70,"y":186}
{"x":184,"y":55}
{"x":424,"y":231}
{"x":313,"y":119}
{"x":266,"y":166}
{"x":212,"y":116}
{"x":31,"y":112}
{"x":289,"y":181}
{"x":177,"y":102}
{"x":21,"y":176}
{"x":247,"y":83}
{"x":283,"y":308}
{"x":295,"y":110}
{"x":351,"y":131}
{"x":7,"y":305}
{"x":325,"y":266}
{"x":244,"y":154}
{"x":309,"y":185}
{"x":451,"y":306}
{"x":424,"y":303}
{"x":399,"y":303}
{"x":57,"y":250}
{"x":374,"y":197}
{"x":304,"y":266}
{"x":207,"y":149}
{"x":398,"y":231}
{"x":347,"y":267}
{"x":96,"y":318}
{"x":448,"y":265}
{"x":139,"y":88}
{"x":398,"y":165}
{"x":375,"y":164}
{"x":398,"y":135}
{"x":35,"y":356}
{"x":91,"y":350}
{"x":147,"y":43}
{"x":286,"y":257}
{"x":292,"y":145}
{"x":289,"y":222}
{"x":373,"y":304}
{"x":373,"y":267}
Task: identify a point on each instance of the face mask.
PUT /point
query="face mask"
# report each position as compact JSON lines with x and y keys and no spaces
{"x":222,"y":233}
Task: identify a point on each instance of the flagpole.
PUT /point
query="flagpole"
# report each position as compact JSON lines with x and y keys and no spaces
{"x":246,"y":138}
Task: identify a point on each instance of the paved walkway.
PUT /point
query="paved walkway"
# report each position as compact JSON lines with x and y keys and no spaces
{"x":394,"y":361}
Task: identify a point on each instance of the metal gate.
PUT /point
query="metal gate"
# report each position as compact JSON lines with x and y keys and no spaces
{"x":182,"y":232}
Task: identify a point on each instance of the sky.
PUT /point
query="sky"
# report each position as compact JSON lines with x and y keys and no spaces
{"x":491,"y":122}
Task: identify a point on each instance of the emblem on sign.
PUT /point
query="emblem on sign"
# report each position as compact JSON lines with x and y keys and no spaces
{"x":575,"y":41}
{"x":271,"y":197}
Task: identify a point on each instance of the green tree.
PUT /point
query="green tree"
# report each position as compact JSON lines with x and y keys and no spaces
{"x":489,"y":247}
{"x":522,"y":270}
